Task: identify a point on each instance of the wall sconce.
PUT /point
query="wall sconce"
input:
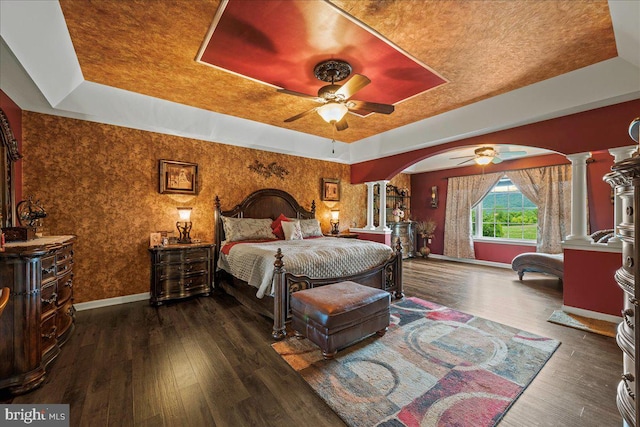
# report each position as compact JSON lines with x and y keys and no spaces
{"x":335,"y":221}
{"x":434,"y":197}
{"x":184,"y":225}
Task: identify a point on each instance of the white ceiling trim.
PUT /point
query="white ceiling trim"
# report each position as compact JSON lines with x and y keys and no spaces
{"x":38,"y":44}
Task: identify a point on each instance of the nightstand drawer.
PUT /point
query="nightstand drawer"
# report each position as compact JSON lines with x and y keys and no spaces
{"x":184,"y":255}
{"x":184,"y":285}
{"x":168,"y":271}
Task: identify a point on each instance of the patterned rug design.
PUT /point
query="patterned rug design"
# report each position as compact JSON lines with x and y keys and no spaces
{"x":434,"y":367}
{"x":600,"y":327}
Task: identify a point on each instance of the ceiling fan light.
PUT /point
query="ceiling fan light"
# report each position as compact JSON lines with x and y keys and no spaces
{"x":483,"y":160}
{"x":332,"y":112}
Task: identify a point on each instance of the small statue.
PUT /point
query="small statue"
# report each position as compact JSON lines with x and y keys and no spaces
{"x":29,"y":212}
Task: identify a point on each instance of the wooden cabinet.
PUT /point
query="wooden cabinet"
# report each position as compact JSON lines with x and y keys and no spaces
{"x":180,"y":271}
{"x":406,"y":232}
{"x":39,"y":317}
{"x":625,"y":179}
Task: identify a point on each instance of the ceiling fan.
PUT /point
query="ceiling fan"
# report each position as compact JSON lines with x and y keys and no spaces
{"x":485,"y":155}
{"x":336,"y":99}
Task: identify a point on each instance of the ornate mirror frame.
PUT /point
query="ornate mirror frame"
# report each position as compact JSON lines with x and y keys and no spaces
{"x":8,"y":156}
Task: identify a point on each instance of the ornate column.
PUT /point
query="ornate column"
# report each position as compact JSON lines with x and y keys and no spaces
{"x":579,"y":198}
{"x":619,"y":154}
{"x":382,"y":214}
{"x":370,"y":225}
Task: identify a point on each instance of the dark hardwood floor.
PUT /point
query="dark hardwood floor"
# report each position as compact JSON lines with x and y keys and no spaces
{"x":208,"y":361}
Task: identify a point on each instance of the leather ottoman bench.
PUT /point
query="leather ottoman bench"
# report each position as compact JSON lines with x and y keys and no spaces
{"x":336,"y":316}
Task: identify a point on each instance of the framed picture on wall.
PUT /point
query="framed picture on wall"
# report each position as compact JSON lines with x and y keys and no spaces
{"x":330,"y":190}
{"x":178,"y":177}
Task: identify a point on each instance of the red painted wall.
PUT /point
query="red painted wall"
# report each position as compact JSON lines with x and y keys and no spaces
{"x":14,"y":115}
{"x":486,"y":251}
{"x":592,"y":130}
{"x":593,"y":288}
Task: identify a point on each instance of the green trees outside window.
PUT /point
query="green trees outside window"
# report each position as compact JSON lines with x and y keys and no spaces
{"x":505,"y":213}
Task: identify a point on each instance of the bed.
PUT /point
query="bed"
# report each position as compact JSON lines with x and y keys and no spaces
{"x":271,"y":204}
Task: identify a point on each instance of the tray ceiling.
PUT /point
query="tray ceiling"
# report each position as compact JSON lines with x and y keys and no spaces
{"x":482,"y":48}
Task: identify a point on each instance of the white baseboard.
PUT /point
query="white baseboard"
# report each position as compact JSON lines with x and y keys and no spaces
{"x":111,"y":301}
{"x":472,"y":261}
{"x":591,"y":314}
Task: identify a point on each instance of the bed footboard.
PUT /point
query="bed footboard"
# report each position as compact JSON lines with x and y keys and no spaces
{"x":386,"y":276}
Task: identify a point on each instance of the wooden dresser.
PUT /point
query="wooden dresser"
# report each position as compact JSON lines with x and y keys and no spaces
{"x":39,"y":317}
{"x":625,"y":179}
{"x":179,"y":271}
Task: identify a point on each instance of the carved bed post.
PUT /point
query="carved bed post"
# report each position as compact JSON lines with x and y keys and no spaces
{"x":279,"y":308}
{"x":399,"y":290}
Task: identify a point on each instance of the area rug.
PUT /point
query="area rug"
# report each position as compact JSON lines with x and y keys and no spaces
{"x":601,"y":327}
{"x":434,"y":367}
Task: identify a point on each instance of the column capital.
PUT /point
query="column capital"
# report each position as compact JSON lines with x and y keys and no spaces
{"x":621,"y":153}
{"x":578,"y":158}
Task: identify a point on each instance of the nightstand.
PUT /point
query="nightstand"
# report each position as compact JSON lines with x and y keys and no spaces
{"x":345,"y":235}
{"x":180,"y":271}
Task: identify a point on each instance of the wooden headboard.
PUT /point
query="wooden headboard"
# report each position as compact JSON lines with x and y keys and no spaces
{"x":266,"y":203}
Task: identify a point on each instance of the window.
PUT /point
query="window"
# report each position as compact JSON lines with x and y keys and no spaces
{"x":505,"y":213}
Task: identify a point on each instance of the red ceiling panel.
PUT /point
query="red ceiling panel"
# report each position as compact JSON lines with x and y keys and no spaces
{"x":280,"y":42}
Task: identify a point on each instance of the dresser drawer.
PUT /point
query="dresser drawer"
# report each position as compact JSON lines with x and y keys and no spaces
{"x":48,"y":265}
{"x":64,"y":318}
{"x":64,"y":255}
{"x":48,"y":332}
{"x":65,"y":288}
{"x":48,"y":298}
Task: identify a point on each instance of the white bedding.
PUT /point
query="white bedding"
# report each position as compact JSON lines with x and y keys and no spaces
{"x":317,"y":258}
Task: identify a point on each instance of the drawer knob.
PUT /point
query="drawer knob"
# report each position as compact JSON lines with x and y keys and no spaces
{"x":51,"y":334}
{"x":54,"y":298}
{"x":625,"y":315}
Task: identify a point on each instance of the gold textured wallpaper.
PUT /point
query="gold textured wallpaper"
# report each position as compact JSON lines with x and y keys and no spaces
{"x":100,"y":182}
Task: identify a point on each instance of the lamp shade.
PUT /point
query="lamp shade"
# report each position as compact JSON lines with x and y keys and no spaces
{"x":335,"y":214}
{"x":332,"y":112}
{"x":185,"y":213}
{"x":483,"y":160}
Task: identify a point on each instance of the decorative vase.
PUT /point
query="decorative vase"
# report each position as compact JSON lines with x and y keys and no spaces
{"x":425,"y":251}
{"x":396,"y":218}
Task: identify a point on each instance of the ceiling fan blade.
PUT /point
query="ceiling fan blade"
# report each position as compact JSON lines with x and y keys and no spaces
{"x":466,"y":161}
{"x":371,"y":106}
{"x":301,"y":95}
{"x":462,"y":157}
{"x":298,"y":116}
{"x":506,"y":154}
{"x":342,"y":124}
{"x":496,"y":160}
{"x":354,"y":84}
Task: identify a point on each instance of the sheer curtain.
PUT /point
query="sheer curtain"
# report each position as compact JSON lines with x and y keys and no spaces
{"x":462,"y":193}
{"x":550,"y":189}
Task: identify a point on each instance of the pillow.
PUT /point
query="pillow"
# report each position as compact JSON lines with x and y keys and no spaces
{"x":277,"y":227}
{"x":236,"y":229}
{"x":291,"y":230}
{"x":310,"y":228}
